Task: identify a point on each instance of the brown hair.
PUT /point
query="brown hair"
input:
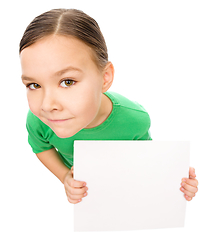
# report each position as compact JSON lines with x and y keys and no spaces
{"x":67,"y":22}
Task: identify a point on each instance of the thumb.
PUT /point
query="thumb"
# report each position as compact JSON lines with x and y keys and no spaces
{"x":192,"y":174}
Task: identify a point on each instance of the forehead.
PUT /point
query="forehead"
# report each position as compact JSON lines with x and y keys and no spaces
{"x":56,"y":52}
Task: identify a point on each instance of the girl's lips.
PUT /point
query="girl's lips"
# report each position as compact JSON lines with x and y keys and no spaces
{"x":58,"y":120}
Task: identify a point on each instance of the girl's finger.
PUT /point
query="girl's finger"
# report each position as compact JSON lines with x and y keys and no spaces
{"x":72,"y":169}
{"x":187,"y":198}
{"x":192,"y":174}
{"x":76,"y":191}
{"x":191,"y":182}
{"x":189,"y":188}
{"x":189,"y":194}
{"x":74,"y":201}
{"x":76,"y":184}
{"x":77,"y":196}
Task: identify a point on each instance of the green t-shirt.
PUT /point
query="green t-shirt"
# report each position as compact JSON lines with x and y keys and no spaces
{"x":127,"y":121}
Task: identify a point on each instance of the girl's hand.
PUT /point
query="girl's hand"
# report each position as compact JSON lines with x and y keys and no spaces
{"x":189,"y":185}
{"x":75,"y":190}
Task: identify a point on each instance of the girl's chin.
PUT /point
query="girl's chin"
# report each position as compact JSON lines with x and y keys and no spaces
{"x":64,"y":134}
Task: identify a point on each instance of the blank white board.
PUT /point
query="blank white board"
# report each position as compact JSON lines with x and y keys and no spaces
{"x":132,"y":184}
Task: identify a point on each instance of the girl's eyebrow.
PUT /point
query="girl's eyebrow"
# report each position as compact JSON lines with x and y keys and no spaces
{"x":25,"y":78}
{"x":67,"y":69}
{"x":59,"y":73}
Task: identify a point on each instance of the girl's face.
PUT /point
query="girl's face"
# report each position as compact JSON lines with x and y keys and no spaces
{"x":64,"y":85}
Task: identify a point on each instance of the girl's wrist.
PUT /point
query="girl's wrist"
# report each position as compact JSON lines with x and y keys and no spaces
{"x":69,"y":172}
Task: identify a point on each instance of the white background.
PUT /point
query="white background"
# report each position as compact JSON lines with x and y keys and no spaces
{"x":159,"y":53}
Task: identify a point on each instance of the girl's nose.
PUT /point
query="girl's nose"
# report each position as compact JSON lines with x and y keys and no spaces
{"x":49,"y":102}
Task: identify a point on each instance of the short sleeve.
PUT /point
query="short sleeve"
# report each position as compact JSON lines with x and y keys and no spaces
{"x":146,"y":136}
{"x":145,"y":129}
{"x":36,"y":134}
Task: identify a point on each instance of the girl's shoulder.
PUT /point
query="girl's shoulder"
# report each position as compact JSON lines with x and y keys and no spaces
{"x":34,"y":124}
{"x":119,"y":100}
{"x":34,"y":120}
{"x":129,"y":112}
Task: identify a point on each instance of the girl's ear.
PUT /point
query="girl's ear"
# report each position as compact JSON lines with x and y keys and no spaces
{"x":108,"y":76}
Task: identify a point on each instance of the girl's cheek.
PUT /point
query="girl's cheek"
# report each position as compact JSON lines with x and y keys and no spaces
{"x":33,"y":109}
{"x":34,"y":104}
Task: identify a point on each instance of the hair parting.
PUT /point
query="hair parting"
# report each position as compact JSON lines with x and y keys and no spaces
{"x":68,"y":22}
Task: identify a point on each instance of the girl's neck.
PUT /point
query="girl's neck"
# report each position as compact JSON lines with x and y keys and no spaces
{"x":104,"y":111}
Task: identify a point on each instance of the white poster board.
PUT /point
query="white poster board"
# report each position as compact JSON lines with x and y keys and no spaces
{"x":132,"y":184}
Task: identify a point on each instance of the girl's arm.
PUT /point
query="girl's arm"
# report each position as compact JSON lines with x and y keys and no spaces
{"x":53,"y":162}
{"x":75,"y":190}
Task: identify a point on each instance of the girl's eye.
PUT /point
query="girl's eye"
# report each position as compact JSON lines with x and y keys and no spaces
{"x":33,"y":86}
{"x":67,"y":83}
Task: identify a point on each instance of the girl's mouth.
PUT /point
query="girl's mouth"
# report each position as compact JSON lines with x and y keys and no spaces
{"x":58,"y":120}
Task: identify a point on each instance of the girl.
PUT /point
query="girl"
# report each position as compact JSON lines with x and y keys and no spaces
{"x":67,"y":74}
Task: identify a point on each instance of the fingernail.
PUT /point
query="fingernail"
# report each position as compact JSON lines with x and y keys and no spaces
{"x":189,"y":198}
{"x":183,"y":180}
